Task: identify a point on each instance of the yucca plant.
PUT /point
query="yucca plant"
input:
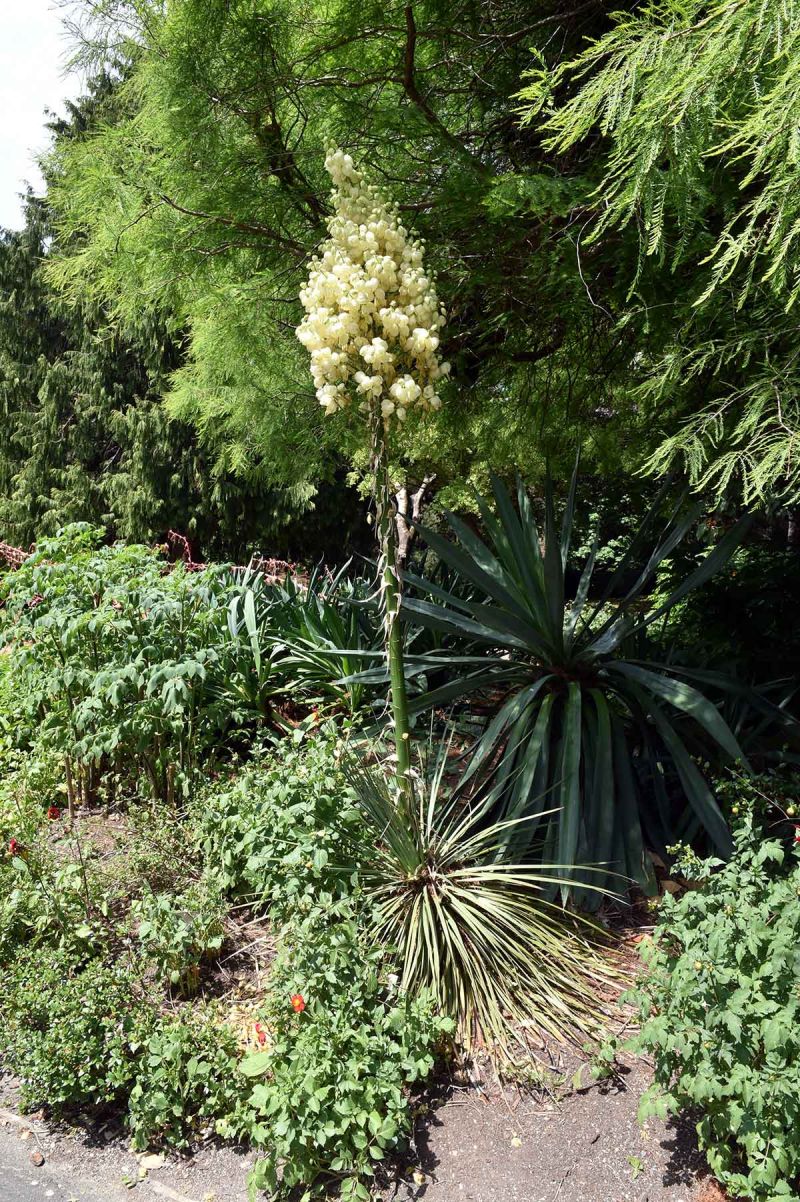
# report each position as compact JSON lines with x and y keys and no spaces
{"x":328,"y":628}
{"x":591,"y":742}
{"x":251,"y":672}
{"x":468,"y":923}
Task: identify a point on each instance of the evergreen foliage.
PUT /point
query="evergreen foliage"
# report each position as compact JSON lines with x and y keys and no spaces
{"x":611,"y":278}
{"x":86,"y":433}
{"x":205,"y":201}
{"x":688,"y":113}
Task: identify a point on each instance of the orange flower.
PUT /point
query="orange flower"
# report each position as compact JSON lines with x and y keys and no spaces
{"x":298,"y":1003}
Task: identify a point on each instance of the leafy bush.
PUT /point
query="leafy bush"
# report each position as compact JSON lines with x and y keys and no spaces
{"x":332,"y":1099}
{"x":58,"y":888}
{"x":113,"y":655}
{"x":132,"y":670}
{"x":27,"y":788}
{"x":720,"y":1010}
{"x":343,"y":1045}
{"x":71,"y":1033}
{"x":176,"y":932}
{"x":186,"y":1081}
{"x":271,"y":833}
{"x":19,"y":909}
{"x":100,"y":649}
{"x":590,"y":741}
{"x":17,"y":727}
{"x":50,"y":898}
{"x":50,"y":891}
{"x":82,"y":1035}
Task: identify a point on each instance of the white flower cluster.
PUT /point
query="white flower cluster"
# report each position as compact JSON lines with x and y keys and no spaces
{"x":372,"y":314}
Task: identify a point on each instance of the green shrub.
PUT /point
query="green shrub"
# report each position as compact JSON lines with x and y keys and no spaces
{"x":271,"y":834}
{"x":17,"y":725}
{"x":31,"y":780}
{"x":72,"y":1034}
{"x":333,"y":1099}
{"x":720,"y":1010}
{"x":176,"y":933}
{"x":59,"y":888}
{"x":113,"y":655}
{"x":49,"y":895}
{"x":129,"y":669}
{"x":334,"y":1076}
{"x":82,"y":1036}
{"x":19,"y":908}
{"x":26,"y":789}
{"x":186,"y":1081}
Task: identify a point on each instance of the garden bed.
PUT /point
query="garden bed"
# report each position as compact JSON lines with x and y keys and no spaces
{"x":580,"y":1146}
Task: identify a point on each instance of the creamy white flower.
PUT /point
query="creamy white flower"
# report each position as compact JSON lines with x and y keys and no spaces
{"x":368,"y":301}
{"x":369,"y":385}
{"x":405,"y":390}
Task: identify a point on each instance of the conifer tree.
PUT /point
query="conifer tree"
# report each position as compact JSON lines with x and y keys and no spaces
{"x":86,"y":434}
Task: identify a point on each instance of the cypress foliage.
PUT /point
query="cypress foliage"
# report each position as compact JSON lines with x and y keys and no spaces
{"x":689,"y":113}
{"x":207,"y":199}
{"x":86,"y":435}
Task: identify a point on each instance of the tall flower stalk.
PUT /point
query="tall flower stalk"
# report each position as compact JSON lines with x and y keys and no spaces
{"x":372,"y":327}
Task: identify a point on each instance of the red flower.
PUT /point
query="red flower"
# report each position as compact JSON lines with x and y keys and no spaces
{"x":298,"y":1003}
{"x":261,"y":1034}
{"x":53,"y":812}
{"x":13,"y":847}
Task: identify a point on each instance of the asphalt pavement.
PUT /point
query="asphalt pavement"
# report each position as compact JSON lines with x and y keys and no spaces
{"x":20,"y":1181}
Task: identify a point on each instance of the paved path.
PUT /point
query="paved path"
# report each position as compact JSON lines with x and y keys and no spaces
{"x":77,"y":1171}
{"x":18,"y":1185}
{"x":21,"y":1181}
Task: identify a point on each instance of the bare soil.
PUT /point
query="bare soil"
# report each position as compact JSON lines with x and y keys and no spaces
{"x":585,"y":1147}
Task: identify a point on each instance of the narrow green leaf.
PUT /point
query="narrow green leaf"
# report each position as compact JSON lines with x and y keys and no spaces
{"x":570,"y":784}
{"x":685,"y":698}
{"x":696,"y":789}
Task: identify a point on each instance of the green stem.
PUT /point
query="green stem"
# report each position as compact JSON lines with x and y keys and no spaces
{"x":397,"y":675}
{"x":387,"y":535}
